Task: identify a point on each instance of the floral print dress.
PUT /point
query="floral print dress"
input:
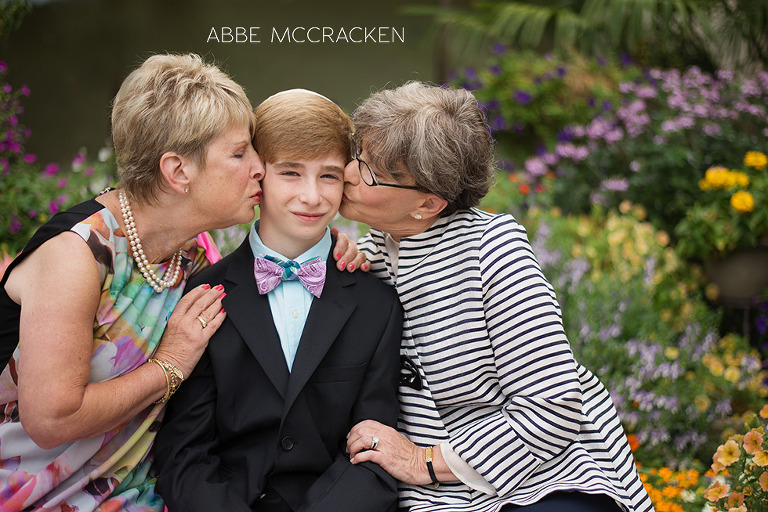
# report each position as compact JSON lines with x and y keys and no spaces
{"x":108,"y":472}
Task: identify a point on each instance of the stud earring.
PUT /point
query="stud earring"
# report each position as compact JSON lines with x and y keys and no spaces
{"x":186,"y":190}
{"x":417,"y":216}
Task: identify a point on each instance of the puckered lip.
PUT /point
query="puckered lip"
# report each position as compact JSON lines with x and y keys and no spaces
{"x":256,"y":197}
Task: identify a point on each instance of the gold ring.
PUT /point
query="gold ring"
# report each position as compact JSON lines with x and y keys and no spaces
{"x":202,"y":321}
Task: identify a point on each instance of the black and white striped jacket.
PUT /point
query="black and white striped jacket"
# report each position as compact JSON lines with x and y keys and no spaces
{"x":500,"y":383}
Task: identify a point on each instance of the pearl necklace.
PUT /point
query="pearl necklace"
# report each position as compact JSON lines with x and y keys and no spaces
{"x":171,"y":274}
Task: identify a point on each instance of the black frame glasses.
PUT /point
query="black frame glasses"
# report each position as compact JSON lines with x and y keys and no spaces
{"x":370,"y":179}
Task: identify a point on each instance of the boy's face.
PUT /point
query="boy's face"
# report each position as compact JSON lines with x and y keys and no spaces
{"x":299,"y":199}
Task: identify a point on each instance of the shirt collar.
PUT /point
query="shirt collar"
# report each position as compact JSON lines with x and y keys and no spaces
{"x":319,"y":250}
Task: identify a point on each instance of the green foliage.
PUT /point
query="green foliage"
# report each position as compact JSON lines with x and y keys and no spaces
{"x":666,"y":33}
{"x":634,"y":317}
{"x":29,"y":194}
{"x":729,"y":211}
{"x":11,"y":14}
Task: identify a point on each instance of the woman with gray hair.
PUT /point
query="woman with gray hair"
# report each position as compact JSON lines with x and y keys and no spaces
{"x":95,"y":334}
{"x":496,"y":414}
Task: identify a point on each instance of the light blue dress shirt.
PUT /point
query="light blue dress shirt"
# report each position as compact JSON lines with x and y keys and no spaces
{"x":290,"y":301}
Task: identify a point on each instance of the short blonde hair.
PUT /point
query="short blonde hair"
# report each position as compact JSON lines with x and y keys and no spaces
{"x":436,"y":134}
{"x":171,"y":103}
{"x":301,"y":124}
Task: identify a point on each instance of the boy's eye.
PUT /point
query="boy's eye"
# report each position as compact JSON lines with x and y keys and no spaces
{"x":332,"y":176}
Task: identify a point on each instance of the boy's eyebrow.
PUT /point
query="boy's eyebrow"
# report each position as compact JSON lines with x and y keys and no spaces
{"x":289,"y":165}
{"x":333,"y":168}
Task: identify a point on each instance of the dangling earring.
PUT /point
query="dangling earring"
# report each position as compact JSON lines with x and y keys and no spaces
{"x":186,"y":190}
{"x":417,"y":216}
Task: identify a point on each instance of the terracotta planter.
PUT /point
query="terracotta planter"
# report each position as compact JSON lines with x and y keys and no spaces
{"x":740,"y":276}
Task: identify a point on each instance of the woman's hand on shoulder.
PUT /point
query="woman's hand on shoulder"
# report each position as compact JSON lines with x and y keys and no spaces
{"x":346,"y":254}
{"x":194,"y":320}
{"x":393,"y":452}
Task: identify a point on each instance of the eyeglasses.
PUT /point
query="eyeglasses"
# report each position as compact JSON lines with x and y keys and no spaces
{"x":366,"y":174}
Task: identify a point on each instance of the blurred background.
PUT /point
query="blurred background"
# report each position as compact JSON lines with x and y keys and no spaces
{"x":73,"y":55}
{"x":632,"y":144}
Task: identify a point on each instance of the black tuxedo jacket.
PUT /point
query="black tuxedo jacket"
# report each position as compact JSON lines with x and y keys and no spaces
{"x":243,"y":433}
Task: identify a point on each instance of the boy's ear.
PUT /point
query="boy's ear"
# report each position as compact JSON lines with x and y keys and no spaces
{"x":175,"y":172}
{"x":431,"y":206}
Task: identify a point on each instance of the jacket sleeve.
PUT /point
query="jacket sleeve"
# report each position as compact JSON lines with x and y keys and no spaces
{"x":188,"y":477}
{"x":536,"y":368}
{"x":366,"y":487}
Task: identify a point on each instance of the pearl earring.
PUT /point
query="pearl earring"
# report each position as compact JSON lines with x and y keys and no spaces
{"x":417,"y":216}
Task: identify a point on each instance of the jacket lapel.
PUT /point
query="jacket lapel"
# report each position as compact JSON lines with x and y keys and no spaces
{"x":326,"y":318}
{"x":249,"y":312}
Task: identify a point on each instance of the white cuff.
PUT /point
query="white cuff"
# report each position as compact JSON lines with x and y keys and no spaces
{"x":464,"y":471}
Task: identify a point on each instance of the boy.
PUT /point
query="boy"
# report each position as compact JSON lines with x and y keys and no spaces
{"x":261,"y":423}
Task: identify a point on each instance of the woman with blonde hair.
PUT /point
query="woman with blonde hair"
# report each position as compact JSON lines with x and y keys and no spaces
{"x":96,"y":335}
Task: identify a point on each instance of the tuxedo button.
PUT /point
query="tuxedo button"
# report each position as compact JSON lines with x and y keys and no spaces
{"x":286,"y":443}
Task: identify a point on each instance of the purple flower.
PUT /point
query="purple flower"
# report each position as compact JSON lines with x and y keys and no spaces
{"x":88,"y":171}
{"x":498,"y":123}
{"x":536,"y":166}
{"x":13,"y":120}
{"x":615,"y":185}
{"x":51,"y":170}
{"x":3,"y":66}
{"x":61,"y":183}
{"x":561,"y":71}
{"x":15,"y":226}
{"x":498,"y":49}
{"x":25,"y":90}
{"x":7,"y":88}
{"x":522,"y":97}
{"x":30,"y":158}
{"x":32,"y":214}
{"x":495,"y":70}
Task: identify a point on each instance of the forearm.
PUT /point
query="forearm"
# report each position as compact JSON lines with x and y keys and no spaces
{"x":95,"y":409}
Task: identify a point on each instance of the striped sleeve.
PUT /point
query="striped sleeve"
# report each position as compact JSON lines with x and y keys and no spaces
{"x":536,"y":369}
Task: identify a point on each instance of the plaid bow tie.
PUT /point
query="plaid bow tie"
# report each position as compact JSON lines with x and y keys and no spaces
{"x":270,"y":272}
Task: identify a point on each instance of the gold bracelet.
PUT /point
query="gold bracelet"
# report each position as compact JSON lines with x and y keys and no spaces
{"x":173,"y":379}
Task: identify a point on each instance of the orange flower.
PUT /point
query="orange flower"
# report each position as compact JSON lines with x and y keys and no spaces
{"x":761,"y":458}
{"x":735,"y":499}
{"x":728,"y":453}
{"x":764,"y":411}
{"x":634,"y":442}
{"x":753,"y":441}
{"x":524,"y":188}
{"x":763,"y":481}
{"x":717,"y":491}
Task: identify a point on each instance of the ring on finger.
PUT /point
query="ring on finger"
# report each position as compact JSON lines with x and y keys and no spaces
{"x":374,"y":442}
{"x":202,"y":321}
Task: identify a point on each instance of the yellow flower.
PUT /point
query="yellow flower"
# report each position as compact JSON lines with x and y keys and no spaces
{"x":717,"y":491}
{"x":742,"y":508}
{"x":761,"y":458}
{"x":662,"y":238}
{"x":728,"y":453}
{"x":753,"y":441}
{"x":716,"y":177}
{"x":739,"y":179}
{"x":625,"y":206}
{"x":742,"y":201}
{"x":732,"y":374}
{"x":712,"y":291}
{"x":756,"y":160}
{"x":702,"y":402}
{"x":671,"y":352}
{"x":763,"y":481}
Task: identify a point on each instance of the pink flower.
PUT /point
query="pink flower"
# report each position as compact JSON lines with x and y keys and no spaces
{"x":7,"y":88}
{"x":3,"y":66}
{"x":61,"y":183}
{"x":25,"y":90}
{"x":51,"y":170}
{"x":30,"y":158}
